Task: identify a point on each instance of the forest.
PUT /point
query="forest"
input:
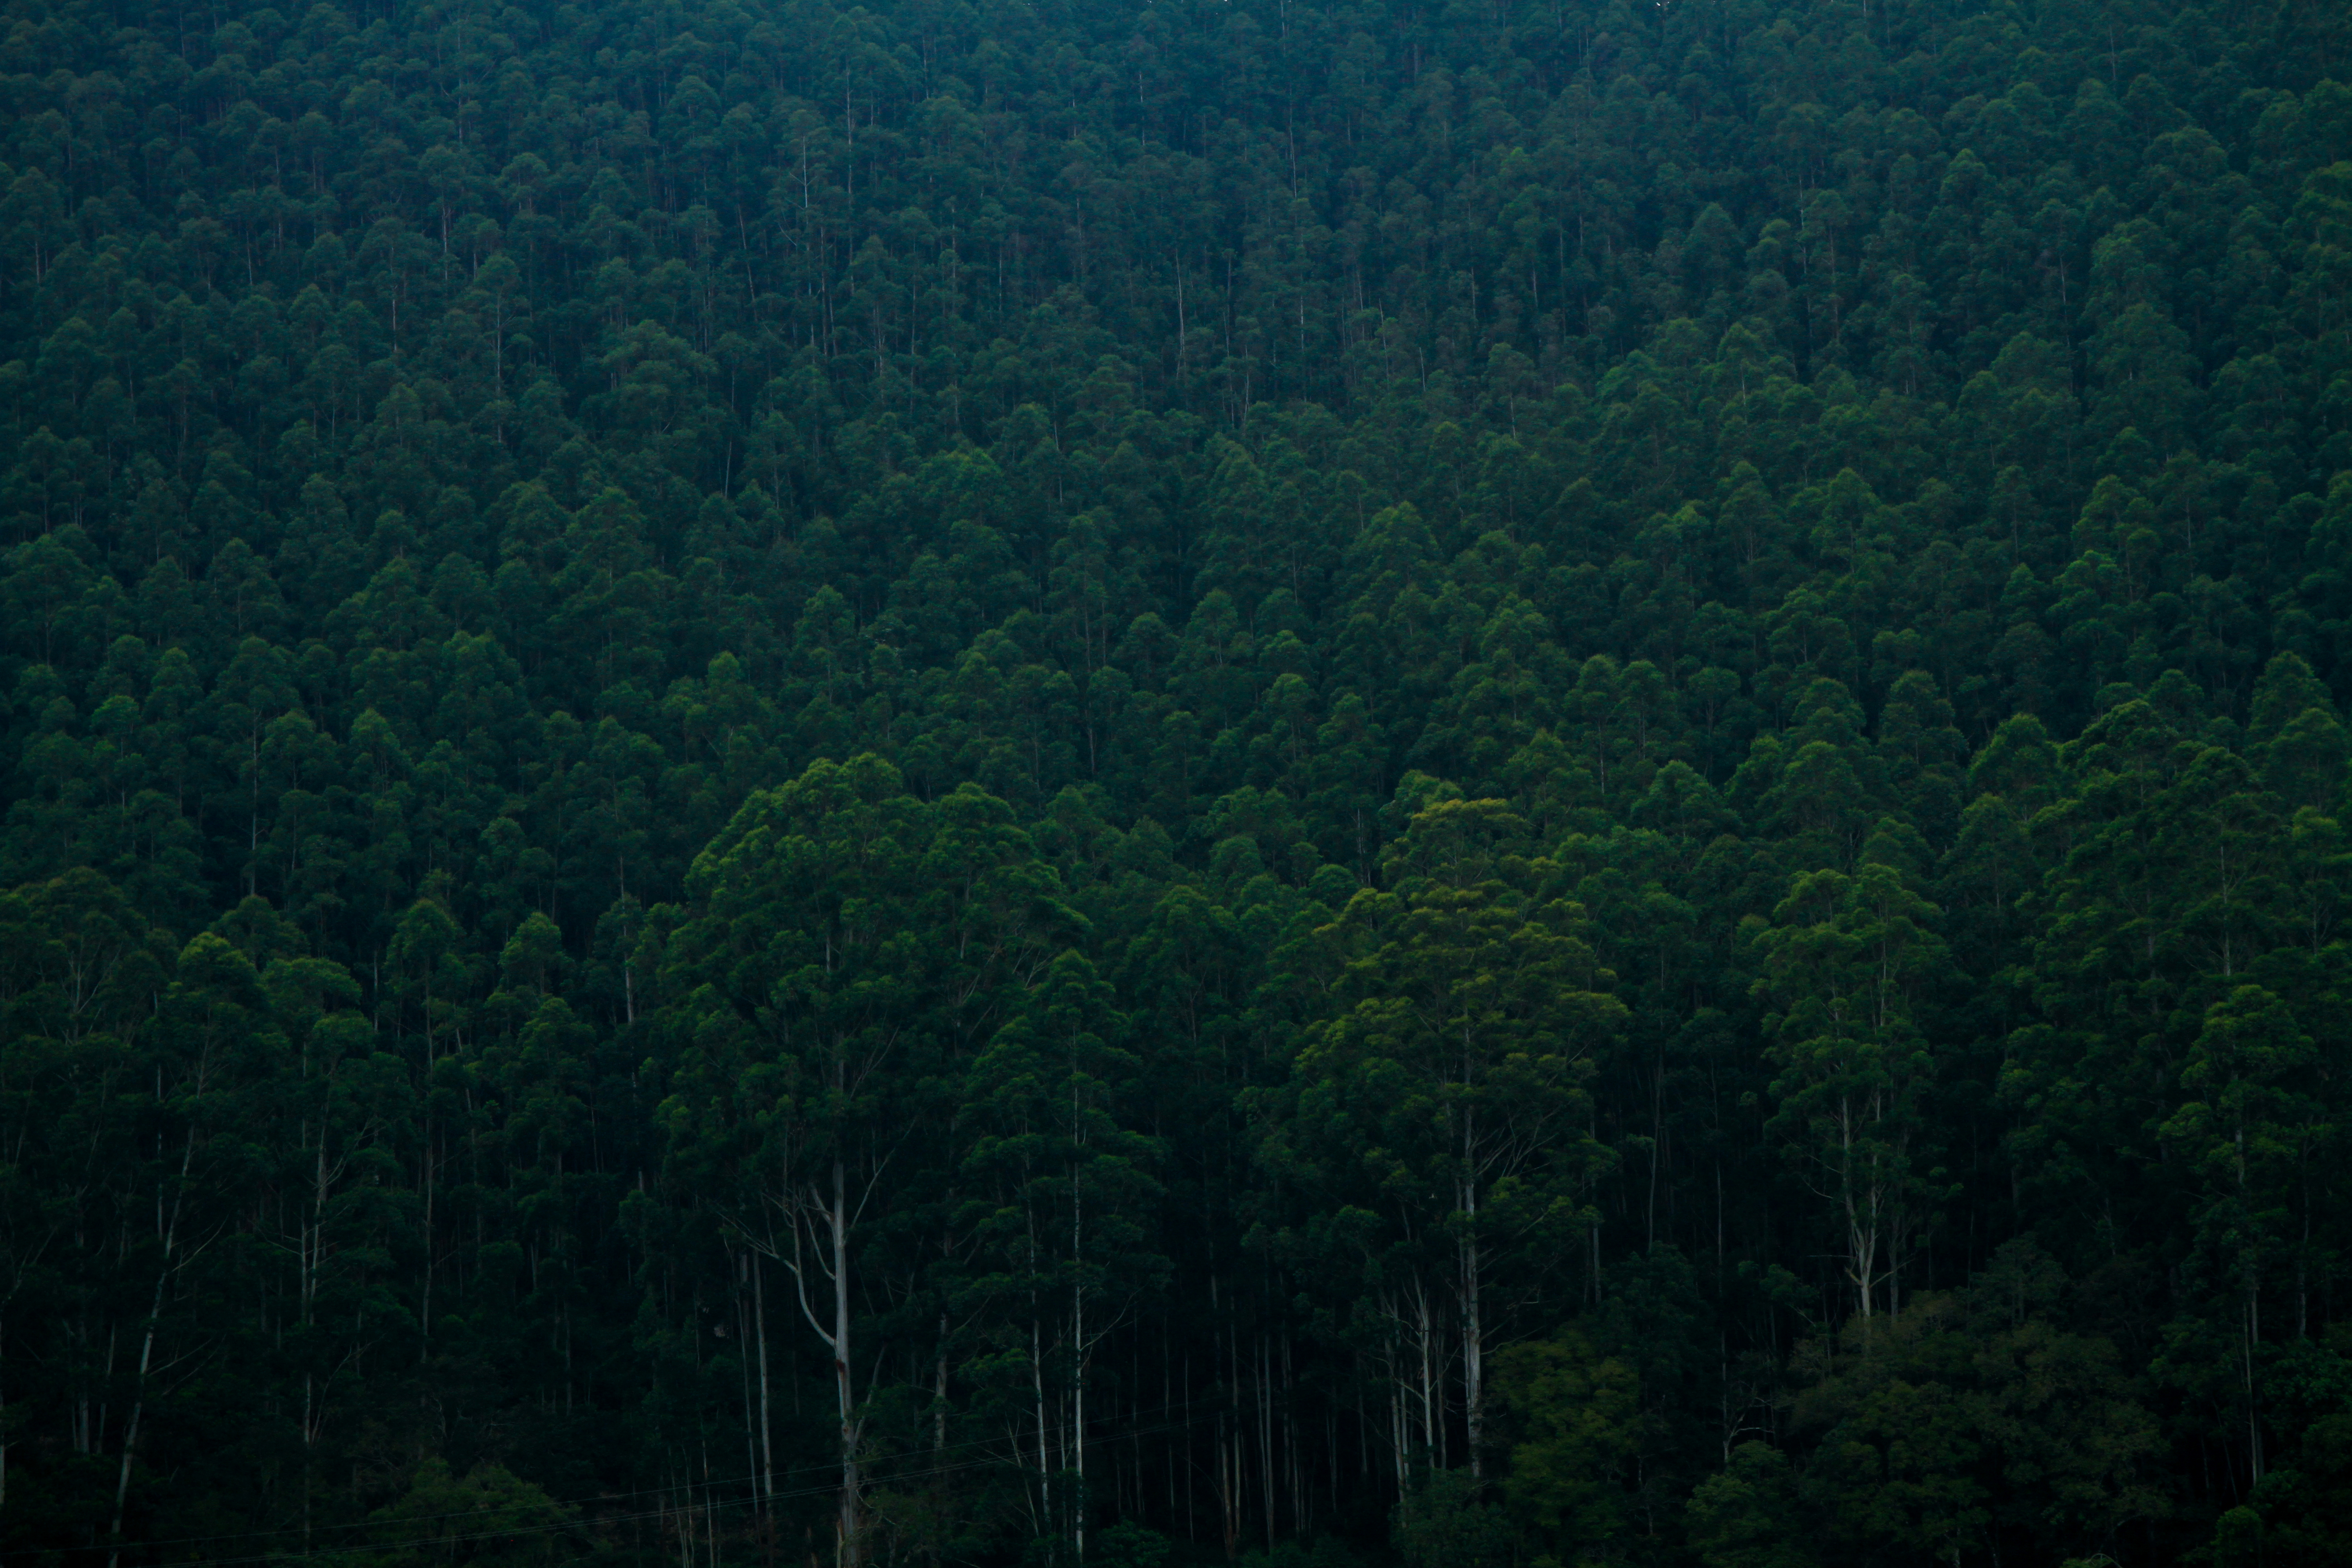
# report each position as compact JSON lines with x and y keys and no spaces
{"x":1303,"y":784}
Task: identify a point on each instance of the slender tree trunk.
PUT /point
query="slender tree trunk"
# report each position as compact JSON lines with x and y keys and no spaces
{"x":147,"y":1349}
{"x":1428,"y":1415}
{"x":425,"y":1308}
{"x":1474,"y":1335}
{"x":2253,"y":1413}
{"x":767,"y":1433}
{"x":1037,"y":1388}
{"x":851,"y":1508}
{"x":1078,"y":1359}
{"x":1265,"y":1440}
{"x":939,"y":1392}
{"x":744,"y":1334}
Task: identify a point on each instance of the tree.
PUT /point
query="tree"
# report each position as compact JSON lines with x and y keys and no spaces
{"x":845,"y":945}
{"x":483,"y":1516}
{"x":1446,"y":1092}
{"x":2252,"y":1129}
{"x":1748,"y":1516}
{"x":1578,"y":1422}
{"x":1065,"y":1221}
{"x":1847,"y":963}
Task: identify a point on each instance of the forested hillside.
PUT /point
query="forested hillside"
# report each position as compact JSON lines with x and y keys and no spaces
{"x":1337,"y":781}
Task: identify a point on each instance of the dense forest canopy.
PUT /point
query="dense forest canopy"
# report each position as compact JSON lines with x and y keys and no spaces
{"x":1344,"y":782}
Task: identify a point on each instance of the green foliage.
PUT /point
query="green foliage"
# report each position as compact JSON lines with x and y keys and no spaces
{"x":1443,"y":1522}
{"x":1750,"y":1515}
{"x":485,"y":1517}
{"x":1506,"y":784}
{"x":1578,"y":1416}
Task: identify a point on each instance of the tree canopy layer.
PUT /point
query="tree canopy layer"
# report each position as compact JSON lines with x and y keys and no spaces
{"x":1498,"y":785}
